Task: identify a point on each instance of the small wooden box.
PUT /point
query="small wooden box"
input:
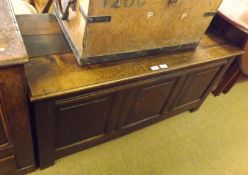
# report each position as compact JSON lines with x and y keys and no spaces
{"x":104,"y":30}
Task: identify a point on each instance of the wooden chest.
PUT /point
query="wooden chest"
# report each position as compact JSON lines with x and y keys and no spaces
{"x":103,"y":30}
{"x":74,"y":107}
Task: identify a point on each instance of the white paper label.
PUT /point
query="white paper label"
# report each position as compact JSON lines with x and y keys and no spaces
{"x":154,"y":68}
{"x":163,"y":66}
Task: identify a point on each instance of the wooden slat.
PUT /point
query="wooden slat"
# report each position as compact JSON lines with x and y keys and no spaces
{"x":43,"y":24}
{"x":42,"y":45}
{"x":44,"y":36}
{"x":12,"y":49}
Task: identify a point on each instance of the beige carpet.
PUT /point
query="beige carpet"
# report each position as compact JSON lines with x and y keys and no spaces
{"x":211,"y":141}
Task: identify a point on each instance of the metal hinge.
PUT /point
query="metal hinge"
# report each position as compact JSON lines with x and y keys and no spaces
{"x":209,"y":14}
{"x":94,"y":19}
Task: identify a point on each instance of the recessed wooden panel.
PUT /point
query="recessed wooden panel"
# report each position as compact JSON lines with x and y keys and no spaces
{"x":76,"y":122}
{"x":3,"y":126}
{"x":7,"y":165}
{"x":198,"y":85}
{"x":149,"y":101}
{"x":3,"y":138}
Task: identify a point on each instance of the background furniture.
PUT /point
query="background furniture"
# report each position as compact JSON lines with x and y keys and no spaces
{"x":43,"y":6}
{"x":232,"y":23}
{"x":22,"y":7}
{"x":16,"y":147}
{"x":74,"y":107}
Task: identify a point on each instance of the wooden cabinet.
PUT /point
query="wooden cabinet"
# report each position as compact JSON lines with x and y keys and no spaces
{"x":7,"y":161}
{"x":16,"y":147}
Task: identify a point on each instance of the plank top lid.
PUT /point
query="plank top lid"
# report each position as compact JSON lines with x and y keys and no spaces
{"x":56,"y":75}
{"x":12,"y":49}
{"x":236,"y":12}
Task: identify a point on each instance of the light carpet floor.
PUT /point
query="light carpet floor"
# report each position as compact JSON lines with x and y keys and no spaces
{"x":211,"y":141}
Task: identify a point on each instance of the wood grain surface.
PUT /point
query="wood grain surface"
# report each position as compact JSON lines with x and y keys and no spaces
{"x":12,"y":49}
{"x":55,"y":75}
{"x":15,"y":117}
{"x":74,"y":108}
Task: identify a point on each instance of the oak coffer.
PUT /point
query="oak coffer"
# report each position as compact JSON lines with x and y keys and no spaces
{"x":103,"y":30}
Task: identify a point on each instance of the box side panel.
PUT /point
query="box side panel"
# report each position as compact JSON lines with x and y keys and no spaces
{"x":74,"y":28}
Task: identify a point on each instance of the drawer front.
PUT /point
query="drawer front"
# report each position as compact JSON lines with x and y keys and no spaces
{"x":8,"y":165}
{"x":79,"y":120}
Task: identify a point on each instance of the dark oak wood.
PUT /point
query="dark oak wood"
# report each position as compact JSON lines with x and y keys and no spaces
{"x":231,"y":76}
{"x":16,"y":139}
{"x":148,"y":101}
{"x":91,"y":115}
{"x":96,"y":115}
{"x":16,"y":147}
{"x":8,"y":165}
{"x":58,"y":74}
{"x":74,"y":108}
